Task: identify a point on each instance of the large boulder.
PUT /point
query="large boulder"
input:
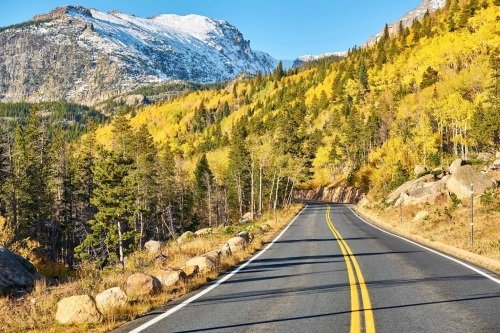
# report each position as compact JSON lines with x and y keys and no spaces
{"x":426,"y":192}
{"x":246,"y":218}
{"x":214,"y":255}
{"x":110,"y":299}
{"x":190,"y":271}
{"x":226,"y":250}
{"x":245,"y":235}
{"x":460,"y":182}
{"x":455,"y":164}
{"x":140,"y":284}
{"x":203,"y":263}
{"x":79,"y":309}
{"x":16,"y":273}
{"x":420,"y":170}
{"x":185,"y":237}
{"x":204,"y":231}
{"x":170,"y":278}
{"x":153,"y":246}
{"x":394,"y":195}
{"x":236,"y":244}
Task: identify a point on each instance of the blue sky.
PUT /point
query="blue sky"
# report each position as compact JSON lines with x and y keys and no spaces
{"x":283,"y":28}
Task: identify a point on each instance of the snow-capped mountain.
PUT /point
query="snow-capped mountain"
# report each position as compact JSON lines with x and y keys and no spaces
{"x":417,"y":13}
{"x":309,"y":58}
{"x":84,"y":55}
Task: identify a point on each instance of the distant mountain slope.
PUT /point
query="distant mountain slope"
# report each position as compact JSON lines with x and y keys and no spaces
{"x":309,"y":58}
{"x":86,"y":56}
{"x":417,"y":13}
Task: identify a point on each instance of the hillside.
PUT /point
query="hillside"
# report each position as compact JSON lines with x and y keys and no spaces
{"x":421,"y":97}
{"x":86,"y":56}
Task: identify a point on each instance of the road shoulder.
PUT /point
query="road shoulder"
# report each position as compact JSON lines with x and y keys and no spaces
{"x":491,"y":266}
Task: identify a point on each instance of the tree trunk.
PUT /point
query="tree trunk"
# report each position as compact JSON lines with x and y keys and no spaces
{"x":276,"y":196}
{"x":272,"y":190}
{"x":260,"y":190}
{"x":120,"y":244}
{"x":252,"y":192}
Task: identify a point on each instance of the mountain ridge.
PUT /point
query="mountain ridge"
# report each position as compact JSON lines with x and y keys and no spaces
{"x":408,"y":18}
{"x":72,"y":52}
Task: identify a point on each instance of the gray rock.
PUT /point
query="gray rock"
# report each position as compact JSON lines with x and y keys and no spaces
{"x":111,"y":299}
{"x":245,"y":235}
{"x":80,"y":309}
{"x":226,"y":250}
{"x":460,"y":182}
{"x":246,"y":218}
{"x":170,"y":278}
{"x":214,"y":255}
{"x":204,"y":231}
{"x":236,"y":244}
{"x":153,"y":246}
{"x":140,"y":284}
{"x":455,"y":164}
{"x":420,"y":170}
{"x":15,"y":272}
{"x":185,"y":237}
{"x":394,"y":195}
{"x":203,"y":263}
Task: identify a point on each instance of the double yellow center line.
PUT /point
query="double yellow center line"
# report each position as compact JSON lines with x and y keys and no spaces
{"x":353,"y":272}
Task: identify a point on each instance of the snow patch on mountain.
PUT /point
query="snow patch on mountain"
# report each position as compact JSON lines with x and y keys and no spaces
{"x":309,"y":58}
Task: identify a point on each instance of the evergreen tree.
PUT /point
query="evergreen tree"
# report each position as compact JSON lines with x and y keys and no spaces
{"x":112,"y":234}
{"x":430,"y":77}
{"x":278,"y":72}
{"x":204,"y":181}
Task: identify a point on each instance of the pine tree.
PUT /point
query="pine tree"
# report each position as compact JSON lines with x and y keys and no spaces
{"x":204,"y":181}
{"x":145,"y":178}
{"x":278,"y":72}
{"x":363,"y":75}
{"x":430,"y":77}
{"x":111,"y":235}
{"x":35,"y":200}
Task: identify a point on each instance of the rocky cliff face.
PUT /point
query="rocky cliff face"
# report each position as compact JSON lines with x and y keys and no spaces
{"x":86,"y":56}
{"x":417,"y":13}
{"x":346,"y":194}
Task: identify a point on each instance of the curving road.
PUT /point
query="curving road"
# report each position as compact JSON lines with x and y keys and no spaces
{"x":329,"y":271}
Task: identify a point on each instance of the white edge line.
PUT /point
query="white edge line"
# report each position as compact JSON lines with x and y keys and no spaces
{"x":215,"y":285}
{"x":429,"y":249}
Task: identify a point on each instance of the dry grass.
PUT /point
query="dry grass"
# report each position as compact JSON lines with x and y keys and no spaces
{"x":447,"y":228}
{"x":35,"y":312}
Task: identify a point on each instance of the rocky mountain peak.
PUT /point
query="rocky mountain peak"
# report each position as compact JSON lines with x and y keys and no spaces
{"x":87,"y":56}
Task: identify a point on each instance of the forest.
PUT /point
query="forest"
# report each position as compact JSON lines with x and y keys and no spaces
{"x":422,"y":96}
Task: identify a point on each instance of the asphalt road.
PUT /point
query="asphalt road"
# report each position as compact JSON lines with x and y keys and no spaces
{"x":360,"y":280}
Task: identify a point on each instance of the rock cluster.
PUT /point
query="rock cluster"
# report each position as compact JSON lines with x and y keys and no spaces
{"x":83,"y":309}
{"x":432,"y":187}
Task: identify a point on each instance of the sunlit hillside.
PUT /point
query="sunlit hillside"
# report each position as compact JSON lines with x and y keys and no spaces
{"x":422,"y":96}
